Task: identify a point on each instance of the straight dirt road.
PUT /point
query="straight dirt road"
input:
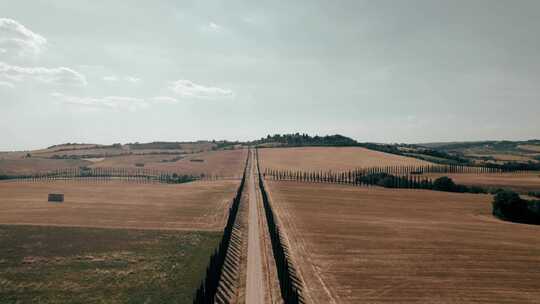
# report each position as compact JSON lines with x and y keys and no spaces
{"x":255,"y":278}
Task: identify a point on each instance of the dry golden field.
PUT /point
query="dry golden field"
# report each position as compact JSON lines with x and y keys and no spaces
{"x":374,"y":245}
{"x":228,"y":163}
{"x":35,"y":165}
{"x":192,"y":206}
{"x":521,"y":182}
{"x":533,"y":148}
{"x":330,"y":158}
{"x":223,"y":163}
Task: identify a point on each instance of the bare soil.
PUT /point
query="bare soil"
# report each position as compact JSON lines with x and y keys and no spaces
{"x":379,"y":245}
{"x":34,"y":165}
{"x":192,"y":206}
{"x":221,"y":163}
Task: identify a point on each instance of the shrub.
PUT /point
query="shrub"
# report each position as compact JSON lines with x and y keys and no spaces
{"x":387,"y":182}
{"x":444,"y":184}
{"x":507,"y":205}
{"x":534,"y":193}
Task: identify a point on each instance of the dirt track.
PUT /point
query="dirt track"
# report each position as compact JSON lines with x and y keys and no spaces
{"x":191,"y":206}
{"x":255,"y":291}
{"x":394,"y":246}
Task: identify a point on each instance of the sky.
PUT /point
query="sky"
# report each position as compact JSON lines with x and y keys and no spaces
{"x":380,"y":71}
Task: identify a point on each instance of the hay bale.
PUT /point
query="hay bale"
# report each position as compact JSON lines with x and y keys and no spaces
{"x":56,"y":197}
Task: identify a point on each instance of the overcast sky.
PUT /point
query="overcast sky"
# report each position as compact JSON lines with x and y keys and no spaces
{"x":385,"y":71}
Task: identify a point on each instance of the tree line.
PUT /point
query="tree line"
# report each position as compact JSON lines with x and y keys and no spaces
{"x":104,"y":174}
{"x":390,"y":177}
{"x":355,"y":175}
{"x":298,"y":140}
{"x":290,"y":292}
{"x":206,"y":292}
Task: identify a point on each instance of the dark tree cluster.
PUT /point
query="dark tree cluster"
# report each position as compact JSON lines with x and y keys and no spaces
{"x":509,"y":206}
{"x":534,"y":193}
{"x":298,"y":140}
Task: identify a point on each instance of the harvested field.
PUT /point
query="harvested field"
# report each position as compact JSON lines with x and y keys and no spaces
{"x":192,"y":206}
{"x":85,"y":150}
{"x":533,"y":148}
{"x":223,"y":163}
{"x":34,"y":165}
{"x":378,"y":245}
{"x":226,"y":163}
{"x":92,"y":265}
{"x":505,"y":157}
{"x":330,"y":158}
{"x":520,"y":182}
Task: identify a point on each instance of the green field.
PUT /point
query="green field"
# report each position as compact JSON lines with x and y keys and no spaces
{"x":87,"y":265}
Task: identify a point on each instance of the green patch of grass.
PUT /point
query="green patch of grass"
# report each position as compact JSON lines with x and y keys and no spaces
{"x":91,"y":265}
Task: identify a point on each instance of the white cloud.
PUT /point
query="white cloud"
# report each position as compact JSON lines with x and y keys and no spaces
{"x":132,"y":79}
{"x":212,"y":27}
{"x":114,"y":78}
{"x":7,"y":84}
{"x":110,"y":78}
{"x":108,"y":102}
{"x":165,"y":100}
{"x":59,"y":76}
{"x":18,"y":40}
{"x":187,"y":88}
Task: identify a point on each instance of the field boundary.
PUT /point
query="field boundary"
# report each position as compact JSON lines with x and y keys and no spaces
{"x":291,"y":287}
{"x":139,"y":175}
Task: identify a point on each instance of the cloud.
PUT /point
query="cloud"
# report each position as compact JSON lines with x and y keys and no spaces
{"x":7,"y":84}
{"x":18,"y":40}
{"x":110,"y":78}
{"x":114,"y":78}
{"x":165,"y":100}
{"x":108,"y":102}
{"x":132,"y":79}
{"x":212,"y":27}
{"x":187,"y":88}
{"x":58,"y":76}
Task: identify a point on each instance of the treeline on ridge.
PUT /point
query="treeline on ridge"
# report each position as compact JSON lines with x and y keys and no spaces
{"x":298,"y":140}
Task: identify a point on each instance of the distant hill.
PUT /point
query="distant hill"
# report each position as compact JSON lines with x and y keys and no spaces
{"x":298,"y":140}
{"x":493,"y":145}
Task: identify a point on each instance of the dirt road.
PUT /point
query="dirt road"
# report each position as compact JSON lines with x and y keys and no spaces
{"x":255,"y":291}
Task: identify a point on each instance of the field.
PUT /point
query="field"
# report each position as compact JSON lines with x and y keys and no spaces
{"x":110,"y":241}
{"x":91,"y":265}
{"x":378,"y":245}
{"x":222,"y":163}
{"x":226,"y":163}
{"x":493,"y":151}
{"x":331,"y":158}
{"x":520,"y":182}
{"x":191,"y":206}
{"x":32,"y":165}
{"x":533,"y":148}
